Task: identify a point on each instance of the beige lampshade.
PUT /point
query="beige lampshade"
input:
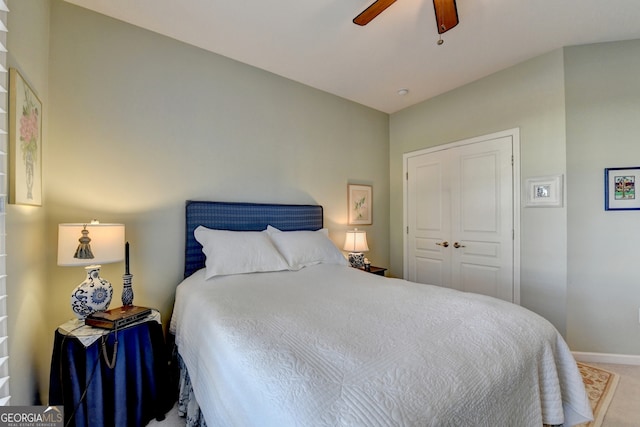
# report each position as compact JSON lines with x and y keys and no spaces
{"x":356,"y":241}
{"x":107,"y":243}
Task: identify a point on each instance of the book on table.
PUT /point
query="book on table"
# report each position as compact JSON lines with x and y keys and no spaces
{"x":117,"y":317}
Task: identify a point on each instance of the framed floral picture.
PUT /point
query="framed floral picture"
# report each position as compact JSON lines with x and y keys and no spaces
{"x":620,"y":189}
{"x":25,"y":142}
{"x":360,"y":204}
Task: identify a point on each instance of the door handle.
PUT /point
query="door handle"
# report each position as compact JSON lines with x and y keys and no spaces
{"x":443,"y":244}
{"x":458,"y":245}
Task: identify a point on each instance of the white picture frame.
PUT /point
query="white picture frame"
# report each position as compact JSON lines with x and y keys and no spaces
{"x":544,"y":191}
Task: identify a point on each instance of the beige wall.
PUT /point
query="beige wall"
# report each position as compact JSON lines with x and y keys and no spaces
{"x":529,"y":96}
{"x":142,"y":123}
{"x":603,"y":131}
{"x":139,"y":123}
{"x":136,"y":123}
{"x":29,"y":289}
{"x":577,"y":110}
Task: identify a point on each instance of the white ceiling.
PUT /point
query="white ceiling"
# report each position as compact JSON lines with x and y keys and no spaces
{"x":314,"y":41}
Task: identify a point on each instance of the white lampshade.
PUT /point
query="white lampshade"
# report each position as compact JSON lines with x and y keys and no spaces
{"x":356,"y":241}
{"x":107,"y":243}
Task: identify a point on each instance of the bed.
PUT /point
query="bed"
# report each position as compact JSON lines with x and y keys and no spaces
{"x":314,"y":342}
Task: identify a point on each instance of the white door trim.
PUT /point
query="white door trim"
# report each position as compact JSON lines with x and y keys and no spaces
{"x":515,"y":135}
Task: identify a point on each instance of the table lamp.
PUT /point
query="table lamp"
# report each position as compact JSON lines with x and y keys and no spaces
{"x":90,"y":245}
{"x":356,"y":244}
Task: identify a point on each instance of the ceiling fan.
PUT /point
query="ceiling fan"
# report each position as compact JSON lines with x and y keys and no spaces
{"x":446,"y":13}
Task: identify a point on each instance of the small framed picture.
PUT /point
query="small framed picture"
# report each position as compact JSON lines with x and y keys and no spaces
{"x":620,"y":189}
{"x":360,"y":204}
{"x":544,"y":191}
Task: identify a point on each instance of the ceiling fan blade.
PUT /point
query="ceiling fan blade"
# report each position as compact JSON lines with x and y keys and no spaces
{"x":446,"y":14}
{"x":372,"y":11}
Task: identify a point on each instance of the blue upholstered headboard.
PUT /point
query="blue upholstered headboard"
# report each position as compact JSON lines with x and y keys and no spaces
{"x":243,"y":217}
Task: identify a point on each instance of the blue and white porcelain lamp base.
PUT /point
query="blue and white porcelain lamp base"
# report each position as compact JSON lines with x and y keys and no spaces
{"x":356,"y":244}
{"x":94,"y":294}
{"x":356,"y":259}
{"x":127,"y":290}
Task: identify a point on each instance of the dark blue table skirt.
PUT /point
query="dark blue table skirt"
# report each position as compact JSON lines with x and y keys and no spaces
{"x":131,"y":394}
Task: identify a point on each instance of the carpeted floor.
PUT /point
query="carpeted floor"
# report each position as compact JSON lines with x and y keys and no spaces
{"x":172,"y":420}
{"x":624,"y":410}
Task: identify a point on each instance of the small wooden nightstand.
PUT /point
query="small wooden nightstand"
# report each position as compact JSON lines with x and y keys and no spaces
{"x":375,"y":270}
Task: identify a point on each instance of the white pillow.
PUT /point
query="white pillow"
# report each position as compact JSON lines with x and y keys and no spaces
{"x":236,"y":252}
{"x":271,"y":229}
{"x":303,"y":248}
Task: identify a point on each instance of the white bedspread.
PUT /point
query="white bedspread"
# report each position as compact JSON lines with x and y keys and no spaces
{"x":333,"y":346}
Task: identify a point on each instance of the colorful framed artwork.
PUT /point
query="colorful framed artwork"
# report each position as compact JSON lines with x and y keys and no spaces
{"x":360,"y":204}
{"x":25,"y":142}
{"x":620,"y":189}
{"x":544,"y":191}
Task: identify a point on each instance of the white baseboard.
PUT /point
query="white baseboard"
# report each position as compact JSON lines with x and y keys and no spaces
{"x":618,"y":359}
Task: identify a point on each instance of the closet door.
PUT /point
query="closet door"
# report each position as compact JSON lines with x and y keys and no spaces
{"x":429,"y":217}
{"x":460,"y":217}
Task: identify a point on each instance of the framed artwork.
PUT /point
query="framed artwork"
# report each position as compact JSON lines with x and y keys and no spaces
{"x":620,"y":189}
{"x":544,"y":191}
{"x":25,"y":142}
{"x":360,"y":204}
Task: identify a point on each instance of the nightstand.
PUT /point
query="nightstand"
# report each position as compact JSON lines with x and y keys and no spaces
{"x":375,"y":270}
{"x":97,"y":390}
